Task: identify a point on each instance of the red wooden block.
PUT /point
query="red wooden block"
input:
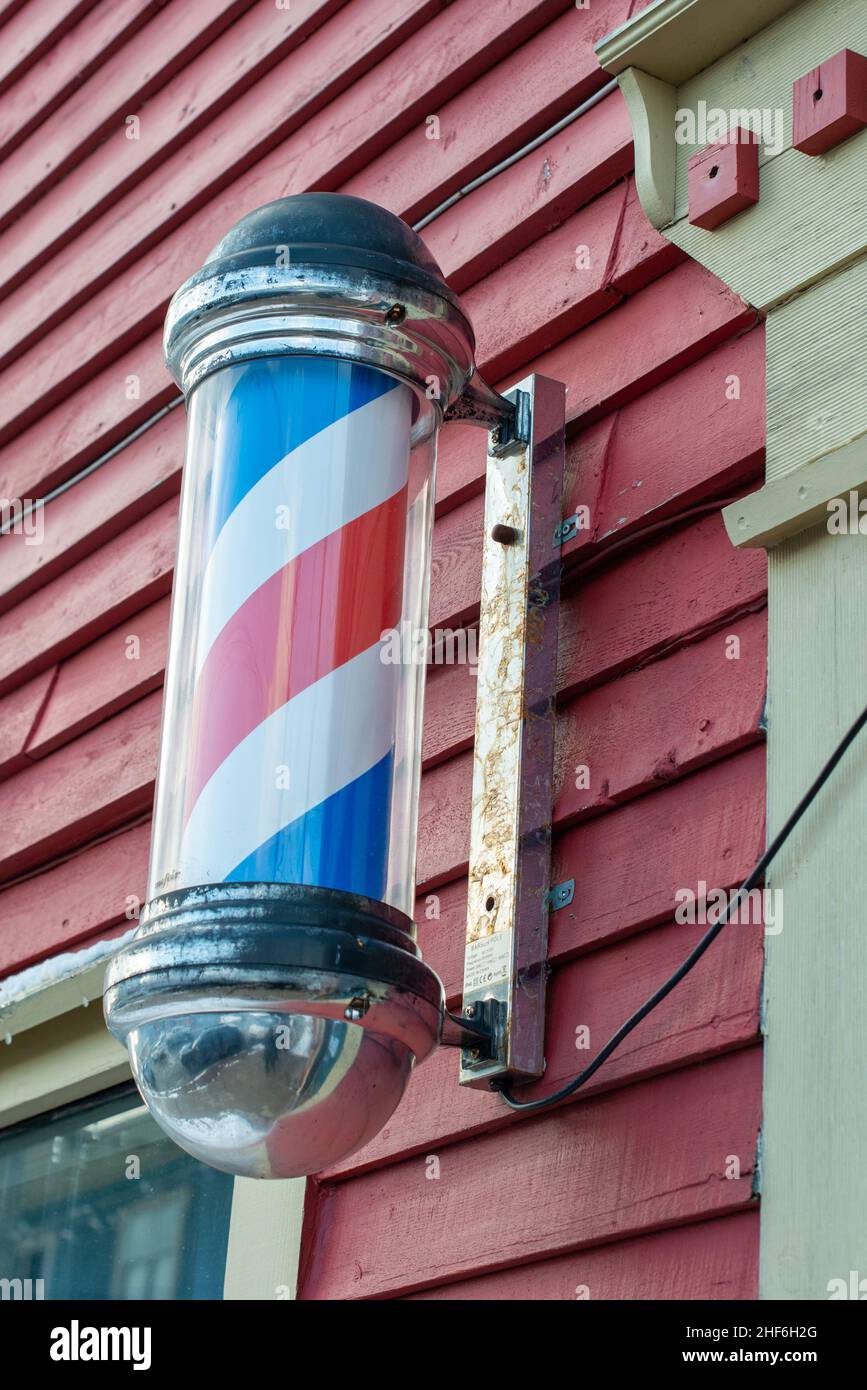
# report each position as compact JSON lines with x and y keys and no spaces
{"x":723,"y":179}
{"x":830,"y":103}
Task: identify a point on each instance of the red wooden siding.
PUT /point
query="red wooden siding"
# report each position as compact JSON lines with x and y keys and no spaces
{"x":626,"y":1192}
{"x":702,"y":1260}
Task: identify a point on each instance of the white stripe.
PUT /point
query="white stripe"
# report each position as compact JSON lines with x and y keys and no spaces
{"x":326,"y":736}
{"x":341,"y":473}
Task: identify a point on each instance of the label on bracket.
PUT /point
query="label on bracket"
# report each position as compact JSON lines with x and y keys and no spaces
{"x":488,"y":961}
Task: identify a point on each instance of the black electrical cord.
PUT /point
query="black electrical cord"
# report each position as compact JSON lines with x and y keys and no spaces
{"x":695,"y":955}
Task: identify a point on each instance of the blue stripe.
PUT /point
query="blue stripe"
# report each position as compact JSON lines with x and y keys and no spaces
{"x":341,"y":843}
{"x":255,"y":413}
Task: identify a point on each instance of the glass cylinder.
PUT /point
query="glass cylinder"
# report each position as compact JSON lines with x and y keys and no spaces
{"x":292,"y":726}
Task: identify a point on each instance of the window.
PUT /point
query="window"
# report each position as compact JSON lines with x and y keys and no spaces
{"x":96,"y":1203}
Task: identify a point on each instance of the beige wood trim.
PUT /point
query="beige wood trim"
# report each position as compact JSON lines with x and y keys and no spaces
{"x":675,"y":39}
{"x":814,"y":1125}
{"x":798,"y":500}
{"x":58,"y":1063}
{"x":816,"y":347}
{"x":652,"y":104}
{"x":264,"y":1239}
{"x":779,"y":247}
{"x":42,"y":1004}
{"x":782,"y":244}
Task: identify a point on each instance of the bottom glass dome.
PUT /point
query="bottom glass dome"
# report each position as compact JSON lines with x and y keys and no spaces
{"x":268,"y":1095}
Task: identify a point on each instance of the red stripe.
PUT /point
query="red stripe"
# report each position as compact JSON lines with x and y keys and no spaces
{"x":326,"y":606}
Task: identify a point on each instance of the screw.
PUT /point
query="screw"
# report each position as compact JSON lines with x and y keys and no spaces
{"x":470,"y":1011}
{"x":506,"y":535}
{"x":396,"y":314}
{"x":356,"y":1009}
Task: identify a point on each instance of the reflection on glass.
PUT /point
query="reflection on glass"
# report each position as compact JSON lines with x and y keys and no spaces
{"x":97,"y":1203}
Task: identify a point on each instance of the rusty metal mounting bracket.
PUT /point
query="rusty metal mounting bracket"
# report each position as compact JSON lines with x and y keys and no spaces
{"x":481,"y":405}
{"x":477,"y":1031}
{"x":505,"y":964}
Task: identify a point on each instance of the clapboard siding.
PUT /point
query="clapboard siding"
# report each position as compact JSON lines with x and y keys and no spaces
{"x":96,"y":36}
{"x":109,"y":323}
{"x":640,"y":1158}
{"x":95,"y":417}
{"x":655,"y":456}
{"x":94,"y":784}
{"x":359,"y":37}
{"x":675,"y":321}
{"x":673,"y":444}
{"x":88,"y":516}
{"x":525,"y":318}
{"x":171,"y":39}
{"x":497,"y":220}
{"x":190,"y":102}
{"x":31,"y":33}
{"x":242,"y":102}
{"x":715,"y":1011}
{"x":643,"y":711}
{"x":712,"y":1259}
{"x":678,"y":586}
{"x":74,"y":434}
{"x":103,"y":679}
{"x":627,"y":867}
{"x":93,"y":596}
{"x":80,"y":897}
{"x":20,"y":713}
{"x":8,"y":8}
{"x":95,"y":781}
{"x":529,"y":90}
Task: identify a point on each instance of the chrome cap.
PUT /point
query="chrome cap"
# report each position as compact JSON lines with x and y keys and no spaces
{"x":323,"y":274}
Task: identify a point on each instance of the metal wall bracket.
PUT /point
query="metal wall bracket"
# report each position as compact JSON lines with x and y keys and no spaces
{"x":513,"y":762}
{"x":475,"y":1031}
{"x":513,"y":432}
{"x":567,"y":528}
{"x":561,"y":894}
{"x":480,"y":404}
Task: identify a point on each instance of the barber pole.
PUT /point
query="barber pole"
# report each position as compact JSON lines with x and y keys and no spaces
{"x":274,"y":1000}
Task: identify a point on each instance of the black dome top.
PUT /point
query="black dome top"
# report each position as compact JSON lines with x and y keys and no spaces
{"x":328,"y":229}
